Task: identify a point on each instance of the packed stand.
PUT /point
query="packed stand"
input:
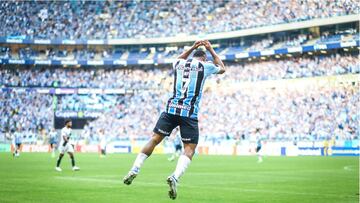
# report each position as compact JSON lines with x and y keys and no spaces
{"x":27,"y":112}
{"x":314,"y":113}
{"x":87,"y":78}
{"x":87,"y":102}
{"x":311,"y":114}
{"x":138,"y":19}
{"x":296,"y":67}
{"x":131,"y":119}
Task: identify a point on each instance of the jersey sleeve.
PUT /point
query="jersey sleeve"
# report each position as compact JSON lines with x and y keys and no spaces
{"x":211,"y":68}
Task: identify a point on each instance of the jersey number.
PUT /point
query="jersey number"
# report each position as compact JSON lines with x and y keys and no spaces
{"x":186,"y":82}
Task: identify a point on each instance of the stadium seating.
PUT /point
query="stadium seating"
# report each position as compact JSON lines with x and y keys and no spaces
{"x":110,"y":19}
{"x":125,"y":78}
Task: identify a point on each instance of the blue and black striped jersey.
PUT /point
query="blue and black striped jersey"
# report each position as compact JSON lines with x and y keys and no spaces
{"x":189,"y":79}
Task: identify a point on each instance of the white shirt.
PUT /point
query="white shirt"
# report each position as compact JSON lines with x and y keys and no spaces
{"x":65,"y":132}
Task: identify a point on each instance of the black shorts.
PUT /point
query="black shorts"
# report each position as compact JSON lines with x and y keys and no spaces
{"x":178,"y":147}
{"x":258,"y":148}
{"x":189,"y":128}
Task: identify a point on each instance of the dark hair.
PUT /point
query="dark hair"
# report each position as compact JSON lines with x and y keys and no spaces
{"x":199,"y":53}
{"x":67,"y":121}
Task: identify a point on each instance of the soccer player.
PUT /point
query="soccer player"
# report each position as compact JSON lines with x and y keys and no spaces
{"x":66,"y":146}
{"x":103,"y":143}
{"x":53,"y":141}
{"x":176,"y":140}
{"x":326,"y":147}
{"x":258,"y":148}
{"x":18,"y":136}
{"x":181,"y":110}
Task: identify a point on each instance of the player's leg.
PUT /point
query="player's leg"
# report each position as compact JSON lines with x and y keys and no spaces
{"x":18,"y":146}
{"x":190,"y":136}
{"x":58,"y":162}
{"x":15,"y":149}
{"x":176,"y":153}
{"x":74,"y":167}
{"x":178,"y":150}
{"x":146,"y":151}
{"x":62,"y":149}
{"x":184,"y":160}
{"x":258,"y":152}
{"x":182,"y":164}
{"x":165,"y":124}
{"x":52,"y":148}
{"x":72,"y":157}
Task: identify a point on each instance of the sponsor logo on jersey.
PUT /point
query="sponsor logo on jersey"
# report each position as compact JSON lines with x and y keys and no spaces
{"x":185,"y":107}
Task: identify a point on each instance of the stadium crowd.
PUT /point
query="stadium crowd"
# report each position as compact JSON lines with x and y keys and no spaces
{"x":315,"y":113}
{"x":25,"y":111}
{"x":296,"y":67}
{"x":136,"y":19}
{"x":87,"y":78}
{"x":311,"y":113}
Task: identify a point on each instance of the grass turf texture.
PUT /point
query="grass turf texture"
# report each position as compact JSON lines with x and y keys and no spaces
{"x":32,"y":178}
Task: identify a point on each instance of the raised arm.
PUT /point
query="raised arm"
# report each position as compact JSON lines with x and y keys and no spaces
{"x":186,"y":53}
{"x":217,"y":60}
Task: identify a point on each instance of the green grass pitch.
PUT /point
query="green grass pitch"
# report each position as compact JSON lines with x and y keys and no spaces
{"x":209,"y":179}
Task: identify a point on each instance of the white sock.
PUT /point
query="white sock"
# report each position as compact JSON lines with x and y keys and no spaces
{"x":181,"y":166}
{"x":139,"y":161}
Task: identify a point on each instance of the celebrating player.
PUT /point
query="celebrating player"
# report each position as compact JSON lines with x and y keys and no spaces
{"x":66,"y":146}
{"x":182,"y":110}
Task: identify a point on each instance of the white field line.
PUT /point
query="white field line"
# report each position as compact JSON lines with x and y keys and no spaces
{"x":349,"y":167}
{"x":223,"y":187}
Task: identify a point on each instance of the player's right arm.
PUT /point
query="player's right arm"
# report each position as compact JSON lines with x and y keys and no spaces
{"x":217,"y":60}
{"x":64,"y":137}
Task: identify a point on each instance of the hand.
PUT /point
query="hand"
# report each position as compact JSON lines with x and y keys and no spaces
{"x":197,"y":44}
{"x":207,"y":44}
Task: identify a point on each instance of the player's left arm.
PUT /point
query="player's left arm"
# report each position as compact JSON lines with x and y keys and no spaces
{"x":187,"y":53}
{"x":217,"y":61}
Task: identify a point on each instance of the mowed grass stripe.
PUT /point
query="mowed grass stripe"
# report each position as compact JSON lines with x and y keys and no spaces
{"x":32,"y":178}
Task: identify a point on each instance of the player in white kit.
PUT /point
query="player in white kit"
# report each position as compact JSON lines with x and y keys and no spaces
{"x":66,"y":146}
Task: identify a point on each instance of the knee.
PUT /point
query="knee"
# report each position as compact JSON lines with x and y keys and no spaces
{"x":155,"y":140}
{"x":189,"y":152}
